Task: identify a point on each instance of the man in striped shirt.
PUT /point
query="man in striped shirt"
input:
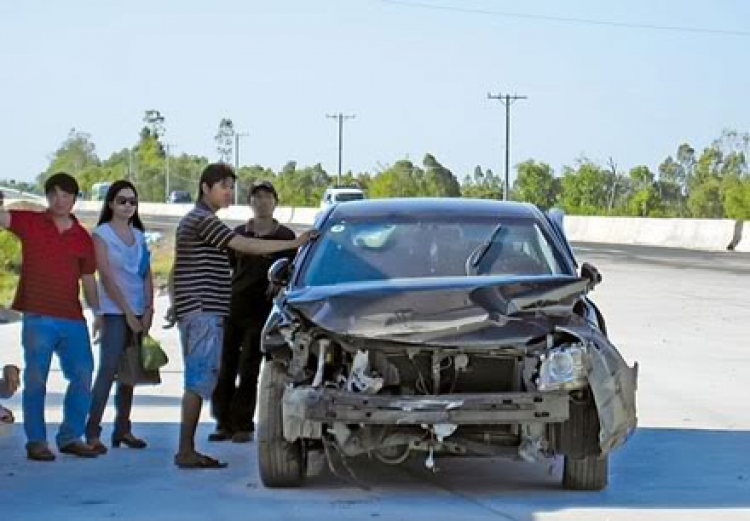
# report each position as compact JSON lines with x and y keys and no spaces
{"x":200,"y":292}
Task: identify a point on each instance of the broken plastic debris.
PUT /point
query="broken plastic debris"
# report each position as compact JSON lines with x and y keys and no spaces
{"x":530,"y":449}
{"x":430,"y":461}
{"x":358,"y":380}
{"x":443,"y":430}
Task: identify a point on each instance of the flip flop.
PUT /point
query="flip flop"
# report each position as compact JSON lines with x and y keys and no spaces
{"x":198,"y":461}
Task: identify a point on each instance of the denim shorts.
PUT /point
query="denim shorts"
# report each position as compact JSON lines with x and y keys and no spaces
{"x":202,"y":336}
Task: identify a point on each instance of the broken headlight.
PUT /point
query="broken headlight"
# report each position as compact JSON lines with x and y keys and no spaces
{"x":564,"y":368}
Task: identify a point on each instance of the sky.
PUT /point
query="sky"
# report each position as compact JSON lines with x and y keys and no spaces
{"x":627,"y":80}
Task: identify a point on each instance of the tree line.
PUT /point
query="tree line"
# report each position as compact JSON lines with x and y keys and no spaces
{"x":711,"y":183}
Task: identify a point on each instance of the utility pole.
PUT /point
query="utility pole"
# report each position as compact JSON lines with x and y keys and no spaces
{"x":507,"y":100}
{"x":341,"y":118}
{"x":613,"y":169}
{"x":237,"y":136}
{"x":167,"y":150}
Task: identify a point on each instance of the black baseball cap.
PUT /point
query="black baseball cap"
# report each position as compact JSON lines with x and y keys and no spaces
{"x":264,"y":185}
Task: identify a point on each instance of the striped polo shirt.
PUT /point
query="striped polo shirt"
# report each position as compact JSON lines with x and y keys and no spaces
{"x":202,"y":276}
{"x":53,"y":264}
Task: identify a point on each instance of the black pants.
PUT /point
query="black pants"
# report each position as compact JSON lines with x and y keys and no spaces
{"x":233,"y":400}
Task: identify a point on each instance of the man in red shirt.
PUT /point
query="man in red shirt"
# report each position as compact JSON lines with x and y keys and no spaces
{"x":58,"y":255}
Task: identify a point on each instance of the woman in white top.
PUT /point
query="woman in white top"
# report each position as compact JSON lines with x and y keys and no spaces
{"x":126,"y":306}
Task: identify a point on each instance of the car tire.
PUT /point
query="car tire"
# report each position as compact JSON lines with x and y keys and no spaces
{"x":282,"y":464}
{"x":589,"y":472}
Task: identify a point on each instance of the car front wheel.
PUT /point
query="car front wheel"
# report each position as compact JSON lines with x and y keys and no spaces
{"x":583,"y":469}
{"x":282,"y":464}
{"x":589,"y":473}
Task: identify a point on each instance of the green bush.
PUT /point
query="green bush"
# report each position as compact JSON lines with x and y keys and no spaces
{"x":10,"y":264}
{"x":10,"y":253}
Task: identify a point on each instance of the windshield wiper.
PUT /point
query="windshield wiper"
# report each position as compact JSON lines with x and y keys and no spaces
{"x":476,"y":256}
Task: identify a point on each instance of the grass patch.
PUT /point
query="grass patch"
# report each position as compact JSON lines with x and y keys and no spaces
{"x":162,"y":257}
{"x":10,"y":263}
{"x":8,"y":283}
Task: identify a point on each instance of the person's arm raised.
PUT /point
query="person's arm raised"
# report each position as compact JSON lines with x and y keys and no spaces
{"x":264,"y":246}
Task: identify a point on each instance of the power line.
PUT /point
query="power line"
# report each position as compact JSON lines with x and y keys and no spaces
{"x":564,"y":19}
{"x":507,"y":100}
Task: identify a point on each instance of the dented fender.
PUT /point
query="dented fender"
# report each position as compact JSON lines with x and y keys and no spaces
{"x":613,"y":383}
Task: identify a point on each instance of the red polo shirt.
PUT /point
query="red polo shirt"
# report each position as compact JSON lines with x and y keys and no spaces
{"x":52,"y":266}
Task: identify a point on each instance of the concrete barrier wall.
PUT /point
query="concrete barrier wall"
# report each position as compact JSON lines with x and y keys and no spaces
{"x":150,"y":209}
{"x":701,"y":234}
{"x":305,"y":215}
{"x":284,"y":214}
{"x":744,"y":243}
{"x":697,"y":234}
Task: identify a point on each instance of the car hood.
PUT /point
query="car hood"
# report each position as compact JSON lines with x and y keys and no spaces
{"x":460,"y":311}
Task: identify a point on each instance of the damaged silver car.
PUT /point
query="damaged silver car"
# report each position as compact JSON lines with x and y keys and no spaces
{"x":431,"y":327}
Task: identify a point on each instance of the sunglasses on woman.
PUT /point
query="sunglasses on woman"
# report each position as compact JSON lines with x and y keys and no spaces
{"x":121,"y":200}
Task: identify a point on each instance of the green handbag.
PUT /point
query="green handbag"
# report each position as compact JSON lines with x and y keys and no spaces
{"x":131,"y":370}
{"x":152,"y":355}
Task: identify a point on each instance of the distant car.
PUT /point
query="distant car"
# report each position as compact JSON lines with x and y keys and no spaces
{"x":180,"y":196}
{"x":340,"y":195}
{"x":440,"y":326}
{"x":99,"y":191}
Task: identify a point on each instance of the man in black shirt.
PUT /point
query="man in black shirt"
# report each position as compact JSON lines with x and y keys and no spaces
{"x":233,"y":403}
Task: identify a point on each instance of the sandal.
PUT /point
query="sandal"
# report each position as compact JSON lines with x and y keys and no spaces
{"x":198,"y":461}
{"x":38,"y":451}
{"x":97,"y":445}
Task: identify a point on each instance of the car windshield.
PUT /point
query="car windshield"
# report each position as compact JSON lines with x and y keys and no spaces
{"x":381,"y":249}
{"x":343,"y":197}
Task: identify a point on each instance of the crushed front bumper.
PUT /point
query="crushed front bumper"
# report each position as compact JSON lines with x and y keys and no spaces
{"x":307,"y":404}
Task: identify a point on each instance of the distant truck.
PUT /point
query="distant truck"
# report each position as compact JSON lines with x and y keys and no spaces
{"x":340,"y":195}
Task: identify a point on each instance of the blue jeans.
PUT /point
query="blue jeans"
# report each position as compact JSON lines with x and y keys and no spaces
{"x":41,"y":336}
{"x":115,"y":334}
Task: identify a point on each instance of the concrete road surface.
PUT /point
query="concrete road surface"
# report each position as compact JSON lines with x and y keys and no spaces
{"x":684,"y":316}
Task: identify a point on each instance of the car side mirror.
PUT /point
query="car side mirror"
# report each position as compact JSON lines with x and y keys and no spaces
{"x":589,"y":271}
{"x":278,"y":273}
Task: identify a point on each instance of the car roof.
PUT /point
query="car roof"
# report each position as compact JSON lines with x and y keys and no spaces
{"x":435,"y":205}
{"x":342,"y":189}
